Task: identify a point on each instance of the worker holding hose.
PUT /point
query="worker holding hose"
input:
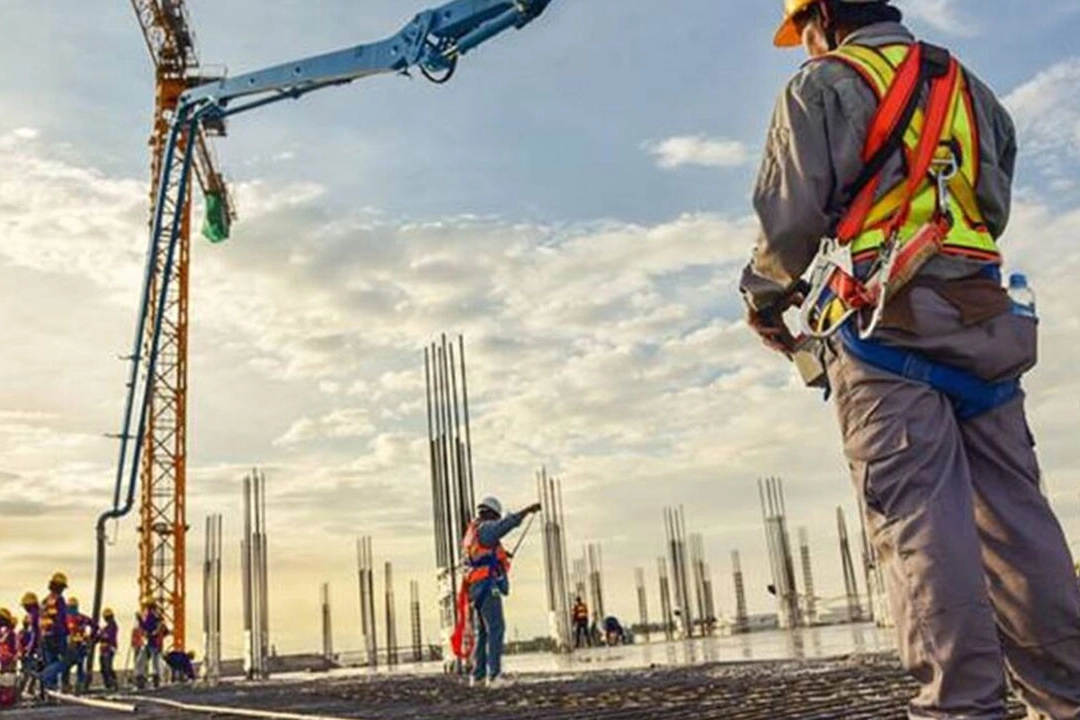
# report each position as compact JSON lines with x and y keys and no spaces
{"x":886,"y":181}
{"x":486,"y":582}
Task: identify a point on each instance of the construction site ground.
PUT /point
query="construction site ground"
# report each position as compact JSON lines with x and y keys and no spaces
{"x":868,"y":687}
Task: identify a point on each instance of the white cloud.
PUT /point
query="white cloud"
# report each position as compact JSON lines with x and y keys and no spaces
{"x":698,"y":150}
{"x":943,"y":15}
{"x":612,"y":352}
{"x":1047,"y":114}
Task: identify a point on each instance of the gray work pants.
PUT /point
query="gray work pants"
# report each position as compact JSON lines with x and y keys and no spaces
{"x":979,"y":574}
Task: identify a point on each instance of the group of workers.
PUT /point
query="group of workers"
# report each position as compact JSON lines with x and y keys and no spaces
{"x":54,"y":641}
{"x":609,"y":632}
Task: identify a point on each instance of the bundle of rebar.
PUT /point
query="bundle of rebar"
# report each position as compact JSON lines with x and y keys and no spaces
{"x":211,"y":667}
{"x":365,"y":568}
{"x":556,"y":575}
{"x":675,"y":529}
{"x":596,"y":581}
{"x":851,"y":587}
{"x":452,"y":480}
{"x":774,"y":514}
{"x":643,"y":603}
{"x":742,"y":617}
{"x":414,"y":617}
{"x":706,"y":604}
{"x":810,"y":601}
{"x":391,"y":617}
{"x":253,"y":550}
{"x":327,"y":624}
{"x":581,"y":578}
{"x":665,"y":599}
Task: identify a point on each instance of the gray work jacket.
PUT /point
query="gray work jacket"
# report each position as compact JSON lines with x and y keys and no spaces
{"x":814,"y":152}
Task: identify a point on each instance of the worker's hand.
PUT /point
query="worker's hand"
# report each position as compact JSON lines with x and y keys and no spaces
{"x":534,"y":508}
{"x":770,"y":327}
{"x":769,"y":323}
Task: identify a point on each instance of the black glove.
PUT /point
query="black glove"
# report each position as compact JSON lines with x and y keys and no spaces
{"x":534,"y":508}
{"x":768,"y":322}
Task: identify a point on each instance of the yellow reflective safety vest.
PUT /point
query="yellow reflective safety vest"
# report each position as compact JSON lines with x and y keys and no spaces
{"x":968,"y":237}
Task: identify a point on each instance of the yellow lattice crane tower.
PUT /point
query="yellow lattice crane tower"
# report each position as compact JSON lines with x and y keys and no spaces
{"x":163,"y":472}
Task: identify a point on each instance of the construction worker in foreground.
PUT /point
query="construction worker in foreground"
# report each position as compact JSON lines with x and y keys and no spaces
{"x":487,"y":581}
{"x":893,"y":165}
{"x":54,"y":632}
{"x":29,"y":643}
{"x":108,"y":643}
{"x":152,"y":629}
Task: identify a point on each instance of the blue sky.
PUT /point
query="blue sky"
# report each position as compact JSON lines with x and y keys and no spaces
{"x":575,"y":201}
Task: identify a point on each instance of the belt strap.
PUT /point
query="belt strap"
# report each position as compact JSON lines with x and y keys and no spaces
{"x":970,"y":395}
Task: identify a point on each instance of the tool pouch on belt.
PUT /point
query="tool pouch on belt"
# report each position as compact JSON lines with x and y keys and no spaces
{"x":966,"y":324}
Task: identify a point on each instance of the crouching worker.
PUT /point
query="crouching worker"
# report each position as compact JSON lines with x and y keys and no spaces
{"x":486,"y":582}
{"x":9,"y":652}
{"x":181,"y":666}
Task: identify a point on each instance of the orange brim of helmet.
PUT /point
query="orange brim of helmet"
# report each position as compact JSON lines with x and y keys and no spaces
{"x":787,"y":35}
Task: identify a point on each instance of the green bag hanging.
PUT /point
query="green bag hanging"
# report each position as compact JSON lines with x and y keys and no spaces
{"x":216,"y":223}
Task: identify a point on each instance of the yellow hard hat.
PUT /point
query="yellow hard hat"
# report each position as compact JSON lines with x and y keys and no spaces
{"x":29,"y":599}
{"x":59,"y":579}
{"x":787,"y":35}
{"x":149,"y":601}
{"x":6,"y":616}
{"x":73,"y":602}
{"x":108,"y":613}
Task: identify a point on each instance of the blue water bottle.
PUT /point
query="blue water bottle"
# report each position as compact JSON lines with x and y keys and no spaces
{"x":1022,"y":296}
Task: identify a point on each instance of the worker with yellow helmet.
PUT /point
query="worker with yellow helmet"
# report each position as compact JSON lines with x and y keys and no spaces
{"x":54,"y":632}
{"x":80,"y":635}
{"x":152,"y":627}
{"x":29,"y":643}
{"x":109,"y":641}
{"x":884,"y":153}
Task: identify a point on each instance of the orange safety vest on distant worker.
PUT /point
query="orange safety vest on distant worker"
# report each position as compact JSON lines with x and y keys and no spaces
{"x":866,"y":226}
{"x":581,"y":613}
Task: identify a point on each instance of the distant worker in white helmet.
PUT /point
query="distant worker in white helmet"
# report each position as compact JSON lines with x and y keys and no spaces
{"x":885,"y":184}
{"x":487,"y":568}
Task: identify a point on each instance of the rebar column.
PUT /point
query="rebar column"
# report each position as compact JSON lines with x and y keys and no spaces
{"x":810,"y":604}
{"x":643,"y":603}
{"x":327,"y":629}
{"x":851,"y":587}
{"x":665,"y":599}
{"x":742,"y":617}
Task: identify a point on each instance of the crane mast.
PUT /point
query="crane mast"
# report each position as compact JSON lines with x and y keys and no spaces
{"x":163,"y":471}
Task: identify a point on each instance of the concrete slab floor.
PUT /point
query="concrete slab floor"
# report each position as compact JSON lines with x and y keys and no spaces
{"x":854,"y":688}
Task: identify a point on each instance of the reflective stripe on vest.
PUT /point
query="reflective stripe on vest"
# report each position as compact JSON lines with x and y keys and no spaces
{"x":481,"y":560}
{"x":968,"y":236}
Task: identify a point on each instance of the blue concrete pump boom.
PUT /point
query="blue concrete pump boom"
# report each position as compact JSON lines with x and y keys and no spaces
{"x":433,"y":42}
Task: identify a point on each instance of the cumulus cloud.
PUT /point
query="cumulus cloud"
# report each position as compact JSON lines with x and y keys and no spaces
{"x":1047,"y":114}
{"x":943,"y":15}
{"x":612,"y":352}
{"x":699,"y":150}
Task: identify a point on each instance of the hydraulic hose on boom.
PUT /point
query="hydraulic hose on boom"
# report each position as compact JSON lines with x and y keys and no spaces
{"x":433,"y":41}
